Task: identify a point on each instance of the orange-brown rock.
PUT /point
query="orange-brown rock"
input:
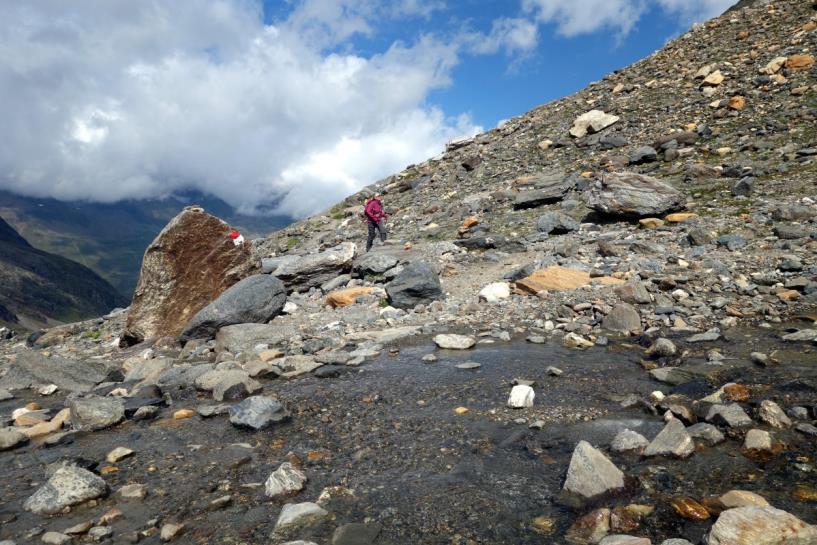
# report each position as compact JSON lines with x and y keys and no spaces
{"x":736,"y":392}
{"x":346,"y":297}
{"x":737,"y":103}
{"x":800,"y":62}
{"x":650,"y":223}
{"x":559,"y":279}
{"x":680,"y":217}
{"x":689,"y":509}
{"x":467,"y":224}
{"x":189,"y":264}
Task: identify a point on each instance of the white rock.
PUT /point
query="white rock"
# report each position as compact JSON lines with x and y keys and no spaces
{"x":285,"y":480}
{"x":521,"y":397}
{"x":452,"y":341}
{"x":592,"y":122}
{"x":591,"y":473}
{"x":760,"y":525}
{"x":298,"y":515}
{"x":289,"y":307}
{"x":495,"y":292}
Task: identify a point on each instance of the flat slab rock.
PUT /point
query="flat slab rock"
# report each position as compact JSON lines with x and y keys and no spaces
{"x":627,"y":194}
{"x":560,"y":279}
{"x":299,"y":515}
{"x":93,"y":412}
{"x":68,"y":486}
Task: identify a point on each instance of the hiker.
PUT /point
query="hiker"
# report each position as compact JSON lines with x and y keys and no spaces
{"x":236,"y":237}
{"x":375,"y":218}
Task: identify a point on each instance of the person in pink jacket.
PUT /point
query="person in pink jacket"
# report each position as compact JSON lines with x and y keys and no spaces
{"x":375,"y":219}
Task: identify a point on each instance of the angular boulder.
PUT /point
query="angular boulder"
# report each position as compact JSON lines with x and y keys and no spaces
{"x":287,"y":479}
{"x":452,"y":341}
{"x":627,"y":194}
{"x":556,"y":223}
{"x":416,"y":284}
{"x":310,"y":271}
{"x":373,"y":264}
{"x":93,"y":412}
{"x":592,"y":122}
{"x":68,"y":486}
{"x":258,"y":412}
{"x":673,"y":440}
{"x":299,"y":515}
{"x":760,"y":525}
{"x":254,"y":300}
{"x":591,"y":473}
{"x":187,"y":266}
{"x":624,"y":318}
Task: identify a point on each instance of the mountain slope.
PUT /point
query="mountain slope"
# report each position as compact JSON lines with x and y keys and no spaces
{"x":752,"y":123}
{"x":111,"y":239}
{"x":38,"y":288}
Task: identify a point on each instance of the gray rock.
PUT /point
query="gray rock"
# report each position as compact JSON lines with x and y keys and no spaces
{"x":285,"y":480}
{"x":556,"y":223}
{"x":591,"y":473}
{"x":356,"y":533}
{"x":552,"y":193}
{"x":760,"y":525}
{"x":644,"y":154}
{"x":293,"y":366}
{"x":789,"y":232}
{"x":706,"y":432}
{"x":148,"y":370}
{"x":243,"y":337}
{"x":628,"y":440}
{"x":672,"y":375}
{"x":732,"y":242}
{"x":417,"y":284}
{"x":804,"y":335}
{"x":743,"y":187}
{"x":55,"y":538}
{"x":634,"y":293}
{"x":93,"y":412}
{"x":338,"y":282}
{"x":310,"y":271}
{"x":771,"y":413}
{"x":11,"y":438}
{"x":258,"y":412}
{"x":256,"y":299}
{"x":373,"y":264}
{"x":729,"y":415}
{"x":31,"y":369}
{"x":68,"y":486}
{"x":592,"y":122}
{"x":5,"y":395}
{"x":299,"y":515}
{"x":711,"y":335}
{"x":271,"y":264}
{"x":624,"y":318}
{"x":675,"y":542}
{"x":228,"y":384}
{"x":468,"y":365}
{"x":758,"y":440}
{"x":699,"y":236}
{"x":662,"y":348}
{"x":673,"y":440}
{"x":627,"y":194}
{"x":806,"y":429}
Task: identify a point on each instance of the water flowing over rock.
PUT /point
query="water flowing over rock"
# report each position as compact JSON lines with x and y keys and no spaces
{"x":68,"y":486}
{"x":189,"y":264}
{"x":416,"y":284}
{"x":591,"y":473}
{"x":312,"y":270}
{"x":256,"y":299}
{"x":760,"y":525}
{"x":628,"y":194}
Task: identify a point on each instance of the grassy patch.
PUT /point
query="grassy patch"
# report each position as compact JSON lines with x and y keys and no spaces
{"x":292,"y":242}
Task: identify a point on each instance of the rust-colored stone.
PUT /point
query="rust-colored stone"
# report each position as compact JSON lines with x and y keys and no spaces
{"x":559,"y":279}
{"x":736,"y":392}
{"x":591,"y":528}
{"x":623,"y":521}
{"x":689,"y":509}
{"x":189,"y":264}
{"x":800,"y":62}
{"x":737,"y":103}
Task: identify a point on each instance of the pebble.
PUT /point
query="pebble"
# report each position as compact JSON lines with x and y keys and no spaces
{"x":171,"y":531}
{"x":117,"y":454}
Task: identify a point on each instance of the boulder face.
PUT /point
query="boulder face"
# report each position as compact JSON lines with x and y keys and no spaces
{"x":254,"y":300}
{"x":310,"y":271}
{"x":189,"y":264}
{"x":416,"y":284}
{"x":627,"y":194}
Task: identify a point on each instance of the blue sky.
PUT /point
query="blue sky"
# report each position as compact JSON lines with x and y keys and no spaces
{"x":295,"y":103}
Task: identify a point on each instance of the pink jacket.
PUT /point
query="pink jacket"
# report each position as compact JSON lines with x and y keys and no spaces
{"x":374,"y":211}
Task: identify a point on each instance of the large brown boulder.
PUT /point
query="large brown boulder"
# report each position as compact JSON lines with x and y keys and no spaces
{"x":189,"y":264}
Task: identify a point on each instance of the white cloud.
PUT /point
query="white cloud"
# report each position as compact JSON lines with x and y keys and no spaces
{"x":576,"y":17}
{"x":514,"y":35}
{"x":111,"y":100}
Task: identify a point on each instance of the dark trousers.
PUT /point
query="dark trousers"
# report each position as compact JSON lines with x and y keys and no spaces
{"x":379,"y":226}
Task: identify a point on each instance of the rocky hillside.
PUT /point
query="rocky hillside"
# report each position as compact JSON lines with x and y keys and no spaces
{"x":38,"y":288}
{"x":592,"y":325}
{"x":731,"y":103}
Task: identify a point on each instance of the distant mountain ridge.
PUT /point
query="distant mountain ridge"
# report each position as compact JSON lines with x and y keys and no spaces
{"x":38,"y":288}
{"x":110,"y":239}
